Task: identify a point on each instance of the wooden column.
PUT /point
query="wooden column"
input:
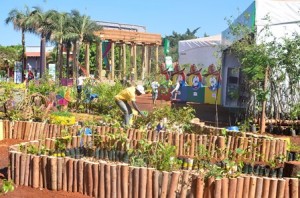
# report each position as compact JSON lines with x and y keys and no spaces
{"x":124,"y":60}
{"x":149,"y":60}
{"x":87,"y":59}
{"x":156,"y":59}
{"x":145,"y":62}
{"x":99,"y":58}
{"x":112,"y":61}
{"x":134,"y":62}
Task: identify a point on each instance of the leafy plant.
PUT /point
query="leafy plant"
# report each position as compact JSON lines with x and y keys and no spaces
{"x":7,"y":186}
{"x":32,"y":149}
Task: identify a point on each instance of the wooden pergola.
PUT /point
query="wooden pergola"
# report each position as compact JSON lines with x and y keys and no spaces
{"x":132,"y":38}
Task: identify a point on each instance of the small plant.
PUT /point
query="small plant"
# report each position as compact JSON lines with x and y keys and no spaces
{"x":7,"y":186}
{"x":31,"y":149}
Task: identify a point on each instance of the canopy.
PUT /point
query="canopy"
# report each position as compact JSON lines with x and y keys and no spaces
{"x":201,"y":51}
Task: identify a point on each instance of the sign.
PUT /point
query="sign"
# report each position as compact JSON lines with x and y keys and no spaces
{"x":52,"y":71}
{"x":169,"y":63}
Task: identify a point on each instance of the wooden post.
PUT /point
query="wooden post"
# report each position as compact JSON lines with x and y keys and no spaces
{"x":112,"y":60}
{"x":225,"y":187}
{"x":287,"y":187}
{"x":280,"y":189}
{"x":156,"y":184}
{"x":75,"y":175}
{"x":294,"y":187}
{"x":156,"y":59}
{"x":36,"y":172}
{"x":59,"y":173}
{"x":266,"y":187}
{"x":259,"y":187}
{"x":124,"y":180}
{"x":108,"y":181}
{"x":17,"y":168}
{"x":164,"y":186}
{"x":22,"y":170}
{"x":218,"y":190}
{"x":184,"y":184}
{"x":95,"y":169}
{"x":142,"y":182}
{"x":200,"y":187}
{"x":174,"y":183}
{"x":44,"y":169}
{"x":113,"y":169}
{"x":53,"y":172}
{"x":252,"y":186}
{"x":65,"y":175}
{"x":124,"y":60}
{"x":149,"y":188}
{"x":135,"y":181}
{"x":70,"y":174}
{"x":101,"y":192}
{"x":273,"y":188}
{"x":80,"y":176}
{"x":232,"y":187}
{"x":134,"y":62}
{"x":246,"y":186}
{"x":239,"y":187}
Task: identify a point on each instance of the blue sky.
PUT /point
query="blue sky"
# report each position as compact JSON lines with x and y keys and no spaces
{"x":158,"y":16}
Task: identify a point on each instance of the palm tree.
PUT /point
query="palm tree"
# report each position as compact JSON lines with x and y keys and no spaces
{"x":84,"y":27}
{"x":41,"y":24}
{"x":61,"y":33}
{"x":19,"y":20}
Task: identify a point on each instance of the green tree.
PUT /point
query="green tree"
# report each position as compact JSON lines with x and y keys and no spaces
{"x":176,"y":37}
{"x":19,"y":20}
{"x":84,"y":29}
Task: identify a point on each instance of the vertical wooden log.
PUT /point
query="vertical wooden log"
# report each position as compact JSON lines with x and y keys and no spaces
{"x":259,"y":187}
{"x":89,"y":179}
{"x":174,"y":183}
{"x":225,"y":187}
{"x":107,"y":181}
{"x":13,"y":165}
{"x":70,"y":174}
{"x":149,"y":187}
{"x":95,"y":167}
{"x":266,"y":187}
{"x":74,"y":142}
{"x":273,"y":188}
{"x":176,"y":143}
{"x":252,"y":187}
{"x":287,"y":187}
{"x":23,"y":166}
{"x":75,"y":175}
{"x":193,"y":143}
{"x":239,"y":187}
{"x":232,"y":187}
{"x":53,"y":171}
{"x":272,"y":150}
{"x":43,"y":169}
{"x":181,"y":143}
{"x":36,"y":172}
{"x":156,"y":184}
{"x":209,"y":190}
{"x":135,"y":182}
{"x":17,"y":168}
{"x":164,"y":186}
{"x":267,"y":150}
{"x":113,"y":169}
{"x":281,"y":188}
{"x":142,"y":182}
{"x":246,"y":186}
{"x":200,"y":187}
{"x":218,"y":188}
{"x":184,"y":184}
{"x":294,"y":187}
{"x":101,"y":192}
{"x":59,"y":173}
{"x":125,"y":180}
{"x":65,"y":174}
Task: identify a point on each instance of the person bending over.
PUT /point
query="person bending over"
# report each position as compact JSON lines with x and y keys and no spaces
{"x":128,"y":95}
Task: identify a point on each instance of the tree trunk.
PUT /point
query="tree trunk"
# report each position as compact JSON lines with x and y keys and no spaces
{"x":263,"y":112}
{"x":87,"y":59}
{"x":43,"y":55}
{"x":23,"y":54}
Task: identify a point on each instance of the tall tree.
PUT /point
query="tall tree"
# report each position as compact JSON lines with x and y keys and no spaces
{"x":19,"y":20}
{"x":176,"y":37}
{"x":41,"y":24}
{"x":84,"y":27}
{"x":61,"y":33}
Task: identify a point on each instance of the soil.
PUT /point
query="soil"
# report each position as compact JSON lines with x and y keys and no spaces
{"x":145,"y":104}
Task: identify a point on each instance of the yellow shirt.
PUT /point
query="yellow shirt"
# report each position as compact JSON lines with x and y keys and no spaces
{"x":127,"y":94}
